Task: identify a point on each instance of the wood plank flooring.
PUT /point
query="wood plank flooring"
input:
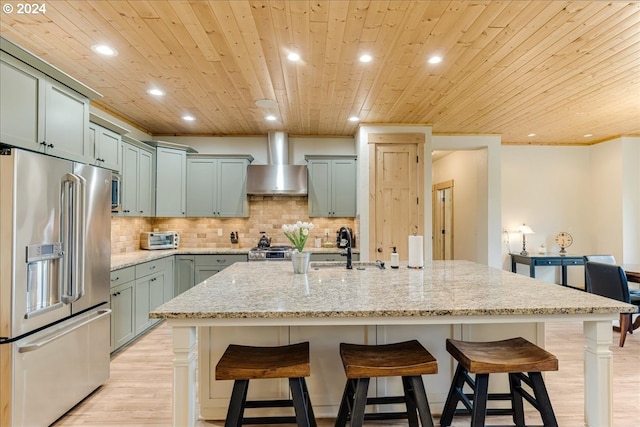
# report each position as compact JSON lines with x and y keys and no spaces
{"x":139,"y":392}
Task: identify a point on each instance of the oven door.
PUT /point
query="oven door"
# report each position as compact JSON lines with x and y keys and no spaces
{"x":116,"y":192}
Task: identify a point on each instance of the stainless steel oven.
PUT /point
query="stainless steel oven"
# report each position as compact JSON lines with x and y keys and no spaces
{"x":116,"y":192}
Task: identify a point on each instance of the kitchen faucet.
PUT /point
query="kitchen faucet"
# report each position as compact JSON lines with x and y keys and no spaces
{"x":348,"y":252}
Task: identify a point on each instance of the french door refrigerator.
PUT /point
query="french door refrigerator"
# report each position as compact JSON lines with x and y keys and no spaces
{"x":54,"y":285}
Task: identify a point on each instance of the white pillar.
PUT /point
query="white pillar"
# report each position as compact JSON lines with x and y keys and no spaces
{"x":184,"y":376}
{"x":598,"y":374}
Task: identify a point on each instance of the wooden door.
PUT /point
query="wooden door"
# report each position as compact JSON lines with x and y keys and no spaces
{"x":443,"y":220}
{"x":396,"y":205}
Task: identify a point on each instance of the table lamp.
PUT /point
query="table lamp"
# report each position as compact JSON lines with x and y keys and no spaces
{"x":525,"y":229}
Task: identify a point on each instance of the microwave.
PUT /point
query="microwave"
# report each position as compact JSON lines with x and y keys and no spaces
{"x":159,"y":240}
{"x":116,"y":192}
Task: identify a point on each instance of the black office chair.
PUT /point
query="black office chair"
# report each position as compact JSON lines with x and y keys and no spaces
{"x":606,"y":259}
{"x":610,"y":281}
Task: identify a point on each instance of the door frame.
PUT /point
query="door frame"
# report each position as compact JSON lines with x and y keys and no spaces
{"x":436,"y":204}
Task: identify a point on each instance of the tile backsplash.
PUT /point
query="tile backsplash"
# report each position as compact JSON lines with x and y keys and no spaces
{"x":266,"y":213}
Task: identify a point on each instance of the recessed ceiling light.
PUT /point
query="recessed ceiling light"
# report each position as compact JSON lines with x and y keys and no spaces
{"x":531,"y":134}
{"x":103,"y":49}
{"x":155,"y":92}
{"x":366,"y":58}
{"x":293,"y":57}
{"x":271,"y":118}
{"x":266,"y":103}
{"x":435,"y":60}
{"x":354,"y":118}
{"x":188,"y":118}
{"x":588,"y":135}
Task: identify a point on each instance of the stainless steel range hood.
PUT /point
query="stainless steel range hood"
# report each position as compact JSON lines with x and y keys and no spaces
{"x":278,"y":177}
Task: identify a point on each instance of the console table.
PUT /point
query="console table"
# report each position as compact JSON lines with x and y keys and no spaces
{"x":553,"y":259}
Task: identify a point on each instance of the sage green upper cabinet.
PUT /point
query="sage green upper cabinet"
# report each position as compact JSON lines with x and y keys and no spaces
{"x":216,"y":186}
{"x":106,"y":139}
{"x":332,"y":186}
{"x":171,"y":182}
{"x":40,"y":114}
{"x":137,"y":178}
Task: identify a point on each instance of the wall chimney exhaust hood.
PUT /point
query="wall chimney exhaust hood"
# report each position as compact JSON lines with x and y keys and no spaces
{"x":278,"y":177}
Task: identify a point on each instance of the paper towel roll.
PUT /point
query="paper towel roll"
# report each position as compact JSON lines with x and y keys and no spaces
{"x":416,"y":257}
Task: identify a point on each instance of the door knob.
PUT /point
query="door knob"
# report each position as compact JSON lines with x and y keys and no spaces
{"x":379,"y":250}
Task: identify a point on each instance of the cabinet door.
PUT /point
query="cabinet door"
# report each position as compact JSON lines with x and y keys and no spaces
{"x":201,"y":189}
{"x":231,"y":186}
{"x":107,"y":148}
{"x":130,"y":163}
{"x":156,"y":293}
{"x":184,"y":273}
{"x":66,"y":127}
{"x":171,"y":177}
{"x":145,"y":183}
{"x":169,"y":279}
{"x":122,"y":320}
{"x":343,"y":188}
{"x":142,"y":307}
{"x":21,"y":104}
{"x":319,"y":188}
{"x":204,"y":272}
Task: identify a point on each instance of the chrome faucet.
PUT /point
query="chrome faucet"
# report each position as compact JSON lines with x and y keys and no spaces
{"x":348,"y":252}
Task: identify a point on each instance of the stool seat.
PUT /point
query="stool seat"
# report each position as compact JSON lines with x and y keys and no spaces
{"x":517,"y":357}
{"x":241,"y":362}
{"x":387,"y":360}
{"x":511,"y":355}
{"x":408,"y":360}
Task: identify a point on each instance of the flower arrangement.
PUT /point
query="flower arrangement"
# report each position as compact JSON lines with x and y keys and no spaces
{"x":297,"y":233}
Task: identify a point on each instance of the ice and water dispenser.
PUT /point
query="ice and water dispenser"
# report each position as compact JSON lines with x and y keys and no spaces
{"x":43,"y":277}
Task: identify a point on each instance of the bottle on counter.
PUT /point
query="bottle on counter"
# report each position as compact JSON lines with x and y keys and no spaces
{"x":395,"y":259}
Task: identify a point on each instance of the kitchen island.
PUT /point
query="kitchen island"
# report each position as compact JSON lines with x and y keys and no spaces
{"x":459,"y":299}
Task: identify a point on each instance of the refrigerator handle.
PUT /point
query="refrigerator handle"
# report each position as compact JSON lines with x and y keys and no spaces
{"x":73,"y":237}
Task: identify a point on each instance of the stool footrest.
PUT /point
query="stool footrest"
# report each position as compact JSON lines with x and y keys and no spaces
{"x":389,"y":400}
{"x":269,"y":420}
{"x":284,"y":403}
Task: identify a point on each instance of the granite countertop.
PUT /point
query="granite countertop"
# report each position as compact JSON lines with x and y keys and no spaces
{"x":129,"y":259}
{"x":443,"y":288}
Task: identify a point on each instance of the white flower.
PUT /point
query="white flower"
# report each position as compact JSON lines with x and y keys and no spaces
{"x":297,"y":233}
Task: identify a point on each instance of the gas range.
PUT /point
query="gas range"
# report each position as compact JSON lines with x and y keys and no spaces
{"x":271,"y":253}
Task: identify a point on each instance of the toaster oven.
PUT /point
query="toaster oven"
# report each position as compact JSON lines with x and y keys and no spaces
{"x":159,"y":240}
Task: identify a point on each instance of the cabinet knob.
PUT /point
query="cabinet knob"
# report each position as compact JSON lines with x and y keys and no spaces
{"x":50,"y":145}
{"x":115,"y":280}
{"x":43,"y":143}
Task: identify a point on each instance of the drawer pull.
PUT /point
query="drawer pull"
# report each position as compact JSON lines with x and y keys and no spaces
{"x":116,"y":279}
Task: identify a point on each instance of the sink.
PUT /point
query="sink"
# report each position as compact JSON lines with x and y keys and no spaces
{"x":342,"y":265}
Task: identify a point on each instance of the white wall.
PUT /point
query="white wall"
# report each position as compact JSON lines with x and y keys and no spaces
{"x":467,"y":169}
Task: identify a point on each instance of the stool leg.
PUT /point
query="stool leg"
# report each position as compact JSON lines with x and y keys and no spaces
{"x":480,"y":396}
{"x":299,"y":405}
{"x":452,"y":398}
{"x":236,"y":405}
{"x":359,"y":402}
{"x":516,"y":400}
{"x":345,"y":404}
{"x":305,"y":390}
{"x":542,"y":397}
{"x":410,"y":401}
{"x":420,"y":398}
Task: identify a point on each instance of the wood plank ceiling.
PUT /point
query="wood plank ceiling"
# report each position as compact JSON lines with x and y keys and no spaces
{"x":559,"y":69}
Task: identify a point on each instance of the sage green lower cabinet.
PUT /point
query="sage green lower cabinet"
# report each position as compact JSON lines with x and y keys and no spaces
{"x":169,"y":280}
{"x":184,"y":273}
{"x":208,"y":265}
{"x":122,"y":307}
{"x":149,"y":295}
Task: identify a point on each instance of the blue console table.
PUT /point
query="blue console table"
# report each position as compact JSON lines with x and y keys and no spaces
{"x":554,"y":259}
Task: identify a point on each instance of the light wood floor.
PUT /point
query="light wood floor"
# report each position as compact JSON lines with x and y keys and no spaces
{"x":139,"y":390}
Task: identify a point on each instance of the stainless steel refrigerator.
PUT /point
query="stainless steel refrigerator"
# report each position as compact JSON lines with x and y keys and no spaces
{"x":55,"y":231}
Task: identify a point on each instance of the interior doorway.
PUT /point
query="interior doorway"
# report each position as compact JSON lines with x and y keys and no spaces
{"x":442,"y":202}
{"x":396,"y":206}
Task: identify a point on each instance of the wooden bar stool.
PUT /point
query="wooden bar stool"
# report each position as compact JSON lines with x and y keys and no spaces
{"x":244,"y":363}
{"x":519,"y":358}
{"x":408,"y":360}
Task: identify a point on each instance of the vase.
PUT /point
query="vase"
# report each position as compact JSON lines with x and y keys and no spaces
{"x":300,"y":262}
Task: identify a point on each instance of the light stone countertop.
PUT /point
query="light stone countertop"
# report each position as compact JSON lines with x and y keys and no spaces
{"x":129,"y":259}
{"x":269,"y":290}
